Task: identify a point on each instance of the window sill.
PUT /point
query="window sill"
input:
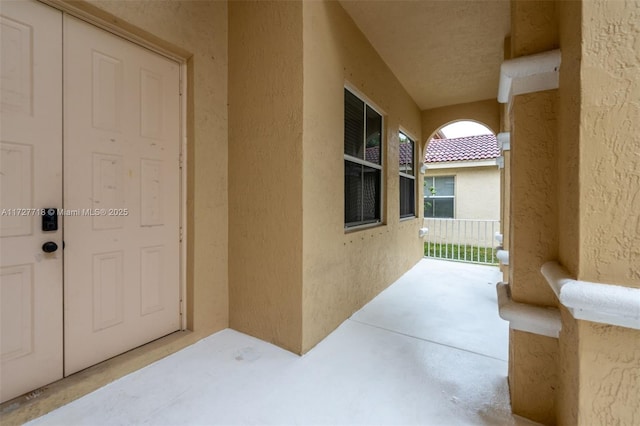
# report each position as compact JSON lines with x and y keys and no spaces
{"x":353,"y":229}
{"x":408,"y":218}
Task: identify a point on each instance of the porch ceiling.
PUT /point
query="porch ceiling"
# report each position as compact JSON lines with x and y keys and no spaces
{"x":443,"y":52}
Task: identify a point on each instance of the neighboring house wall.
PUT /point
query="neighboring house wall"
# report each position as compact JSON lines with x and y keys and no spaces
{"x":477,"y":199}
{"x":477,"y":191}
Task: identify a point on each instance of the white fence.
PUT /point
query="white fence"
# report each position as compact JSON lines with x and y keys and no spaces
{"x":465,"y":240}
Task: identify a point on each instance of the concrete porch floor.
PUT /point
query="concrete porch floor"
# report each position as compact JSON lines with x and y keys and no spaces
{"x":429,"y":350}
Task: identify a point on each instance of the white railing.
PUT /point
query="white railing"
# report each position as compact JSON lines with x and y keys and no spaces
{"x":465,"y":240}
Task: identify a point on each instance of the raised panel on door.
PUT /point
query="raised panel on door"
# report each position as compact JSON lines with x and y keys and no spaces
{"x":30,"y":179}
{"x":121,"y":153}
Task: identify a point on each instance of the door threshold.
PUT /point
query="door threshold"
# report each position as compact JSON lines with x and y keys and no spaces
{"x":54,"y":395}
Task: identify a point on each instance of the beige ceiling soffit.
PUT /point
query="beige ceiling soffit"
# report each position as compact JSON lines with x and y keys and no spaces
{"x":596,"y":302}
{"x":525,"y":317}
{"x":528,"y":74}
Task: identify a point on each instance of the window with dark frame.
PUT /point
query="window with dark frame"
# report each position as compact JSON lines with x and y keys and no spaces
{"x":362,"y":162}
{"x":406,"y":158}
{"x":439,"y":197}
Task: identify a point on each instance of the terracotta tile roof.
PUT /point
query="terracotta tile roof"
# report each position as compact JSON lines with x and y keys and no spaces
{"x":373,"y":154}
{"x":461,"y":149}
{"x":405,"y":153}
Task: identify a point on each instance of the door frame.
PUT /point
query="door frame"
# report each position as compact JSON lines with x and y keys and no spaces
{"x":106,"y":22}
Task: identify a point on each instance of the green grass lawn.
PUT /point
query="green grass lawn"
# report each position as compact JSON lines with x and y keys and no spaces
{"x":463,"y":253}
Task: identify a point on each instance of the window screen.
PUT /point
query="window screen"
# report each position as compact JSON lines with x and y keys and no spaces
{"x":406,"y":159}
{"x":353,"y":125}
{"x":362,"y":162}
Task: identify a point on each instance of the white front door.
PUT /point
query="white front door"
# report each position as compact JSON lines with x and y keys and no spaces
{"x":115,"y":179}
{"x":121,"y":154}
{"x":30,"y":179}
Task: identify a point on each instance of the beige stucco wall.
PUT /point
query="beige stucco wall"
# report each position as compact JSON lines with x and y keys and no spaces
{"x":533,"y":238}
{"x":609,"y":369}
{"x":534,"y":27}
{"x":599,"y":373}
{"x":485,"y":112}
{"x":533,"y":230}
{"x":568,"y":371}
{"x":568,"y":150}
{"x":477,"y":191}
{"x":265,"y":163}
{"x":610,"y":142}
{"x":609,"y":188}
{"x":533,"y":376}
{"x":532,"y":242}
{"x":197,"y":30}
{"x":342,"y":271}
{"x":294,"y":274}
{"x":569,"y":22}
{"x":592,"y":164}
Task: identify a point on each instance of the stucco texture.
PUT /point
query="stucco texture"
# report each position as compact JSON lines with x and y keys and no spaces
{"x":610,"y":143}
{"x":431,"y":31}
{"x":609,"y":374}
{"x":609,"y":187}
{"x":568,"y":142}
{"x":534,"y":26}
{"x":594,"y":230}
{"x":600,"y":373}
{"x":342,"y":271}
{"x":533,"y":239}
{"x":568,"y":149}
{"x":485,"y":112}
{"x":294,"y":274}
{"x":533,"y":375}
{"x":265,"y":163}
{"x":198,"y":31}
{"x":568,"y":370}
{"x":533,"y":208}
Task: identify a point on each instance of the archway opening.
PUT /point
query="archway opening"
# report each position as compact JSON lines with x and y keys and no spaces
{"x":462,"y":193}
